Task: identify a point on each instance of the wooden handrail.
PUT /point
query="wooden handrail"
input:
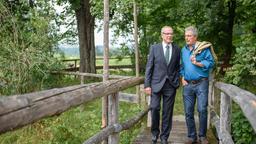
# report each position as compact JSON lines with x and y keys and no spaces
{"x":92,"y":75}
{"x":66,"y":60}
{"x":247,"y":102}
{"x":116,"y":128}
{"x":20,"y":110}
{"x":75,"y":67}
{"x":97,"y":58}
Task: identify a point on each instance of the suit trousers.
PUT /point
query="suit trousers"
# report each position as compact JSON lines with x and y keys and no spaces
{"x":167,"y":94}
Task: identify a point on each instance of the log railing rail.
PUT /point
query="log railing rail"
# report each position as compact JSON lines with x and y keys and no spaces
{"x":246,"y":100}
{"x":116,"y":128}
{"x":20,"y":110}
{"x":133,"y":98}
{"x":73,"y":64}
{"x":92,"y":75}
{"x":101,"y":67}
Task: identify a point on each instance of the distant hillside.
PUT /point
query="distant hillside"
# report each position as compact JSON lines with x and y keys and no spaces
{"x":69,"y":50}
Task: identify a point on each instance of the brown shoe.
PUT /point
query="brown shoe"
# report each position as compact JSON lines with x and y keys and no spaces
{"x":190,"y":141}
{"x":203,"y":140}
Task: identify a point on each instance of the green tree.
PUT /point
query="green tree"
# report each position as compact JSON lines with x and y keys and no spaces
{"x":27,"y":46}
{"x":216,"y":20}
{"x":85,"y":22}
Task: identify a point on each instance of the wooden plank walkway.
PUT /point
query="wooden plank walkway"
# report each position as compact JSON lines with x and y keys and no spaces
{"x":177,"y":135}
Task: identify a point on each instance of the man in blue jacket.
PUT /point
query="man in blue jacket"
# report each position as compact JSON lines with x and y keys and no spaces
{"x":197,"y":58}
{"x":161,"y":82}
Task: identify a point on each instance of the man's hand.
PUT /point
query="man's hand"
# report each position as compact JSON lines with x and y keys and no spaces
{"x":193,"y":60}
{"x":183,"y":81}
{"x":148,"y":90}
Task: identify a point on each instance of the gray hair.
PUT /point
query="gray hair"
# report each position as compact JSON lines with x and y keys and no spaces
{"x":164,"y":27}
{"x":192,"y":29}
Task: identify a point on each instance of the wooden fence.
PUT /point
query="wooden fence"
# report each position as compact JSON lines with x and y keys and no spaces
{"x":133,"y":98}
{"x":73,"y":65}
{"x":228,"y":92}
{"x":19,"y":110}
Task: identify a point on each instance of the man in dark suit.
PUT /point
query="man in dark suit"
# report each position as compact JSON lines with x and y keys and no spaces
{"x":161,"y":82}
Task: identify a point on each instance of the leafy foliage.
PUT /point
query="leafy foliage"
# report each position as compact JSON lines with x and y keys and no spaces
{"x":243,"y":71}
{"x":215,"y":19}
{"x":243,"y":74}
{"x":27,"y":40}
{"x":244,"y":64}
{"x":242,"y":131}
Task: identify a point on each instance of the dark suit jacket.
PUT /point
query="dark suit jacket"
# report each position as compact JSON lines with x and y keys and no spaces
{"x":157,"y":70}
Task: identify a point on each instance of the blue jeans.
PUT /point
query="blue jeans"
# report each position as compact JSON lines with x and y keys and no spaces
{"x":191,"y":92}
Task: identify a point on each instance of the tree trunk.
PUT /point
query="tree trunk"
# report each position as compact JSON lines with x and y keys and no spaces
{"x":85,"y":26}
{"x":229,"y":48}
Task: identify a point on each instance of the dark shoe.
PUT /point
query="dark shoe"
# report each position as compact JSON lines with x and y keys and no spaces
{"x":190,"y":141}
{"x":203,"y":140}
{"x":154,"y":139}
{"x":163,"y":141}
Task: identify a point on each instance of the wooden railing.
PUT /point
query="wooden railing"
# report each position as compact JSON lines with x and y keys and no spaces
{"x":115,"y":128}
{"x":133,"y":98}
{"x":73,"y":65}
{"x":20,"y":110}
{"x":228,"y":92}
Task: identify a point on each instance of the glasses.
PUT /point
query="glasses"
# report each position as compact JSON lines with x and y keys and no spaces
{"x":167,"y":33}
{"x":189,"y":35}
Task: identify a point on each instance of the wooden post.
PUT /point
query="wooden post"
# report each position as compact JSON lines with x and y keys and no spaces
{"x":135,"y":35}
{"x":143,"y":96}
{"x":81,"y":79}
{"x":75,"y":63}
{"x":113,"y":117}
{"x":210,"y":104}
{"x":225,"y":115}
{"x":105,"y":65}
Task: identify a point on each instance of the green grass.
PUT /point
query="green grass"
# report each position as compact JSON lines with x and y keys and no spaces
{"x":178,"y":105}
{"x":122,"y":72}
{"x":124,"y":61}
{"x":99,"y":62}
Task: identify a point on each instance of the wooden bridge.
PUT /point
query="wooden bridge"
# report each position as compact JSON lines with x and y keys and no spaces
{"x":177,"y":135}
{"x":20,"y":110}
